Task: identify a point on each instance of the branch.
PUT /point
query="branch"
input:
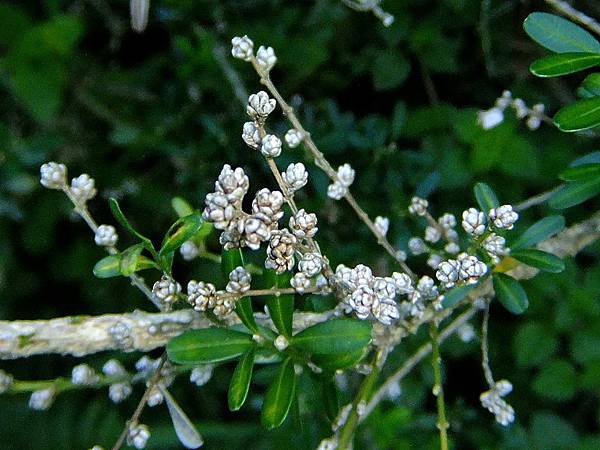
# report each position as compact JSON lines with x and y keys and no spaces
{"x":567,"y":10}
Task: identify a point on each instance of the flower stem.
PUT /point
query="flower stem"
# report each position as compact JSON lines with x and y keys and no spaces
{"x":438,"y":390}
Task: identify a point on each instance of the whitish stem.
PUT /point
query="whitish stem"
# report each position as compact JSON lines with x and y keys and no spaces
{"x":485,"y":352}
{"x":438,"y":390}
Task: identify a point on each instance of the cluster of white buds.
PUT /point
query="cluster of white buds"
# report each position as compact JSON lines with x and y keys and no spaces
{"x":434,"y":260}
{"x":166,"y":289}
{"x":447,"y":221}
{"x":465,"y":268}
{"x":492,"y":401}
{"x":204,"y":297}
{"x":494,"y":116}
{"x":155,"y":396}
{"x":83,"y":188}
{"x":117,"y":392}
{"x":303,"y":224}
{"x":417,"y":246}
{"x":138,"y":435}
{"x":260,"y":106}
{"x":495,"y":246}
{"x":418,"y":206}
{"x":251,"y":135}
{"x":6,"y":381}
{"x":300,"y":282}
{"x":239,"y":281}
{"x":53,"y":175}
{"x":84,"y":375}
{"x":369,"y":296}
{"x":503,"y":217}
{"x":201,"y":375}
{"x":473,"y":222}
{"x":382,"y":225}
{"x":295,"y":177}
{"x":293,"y":137}
{"x":265,"y":57}
{"x":432,"y":234}
{"x":42,"y":399}
{"x":311,"y":264}
{"x":189,"y":250}
{"x":271,"y":146}
{"x":280,"y":252}
{"x":242,"y":48}
{"x":106,"y":236}
{"x":344,"y":179}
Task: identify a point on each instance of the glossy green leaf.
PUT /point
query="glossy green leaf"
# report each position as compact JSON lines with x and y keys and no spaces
{"x":559,"y":35}
{"x":129,"y":259}
{"x":334,"y":336}
{"x":181,"y":206}
{"x":574,"y":193}
{"x":542,"y":229}
{"x":240,"y":381}
{"x":539,"y":259}
{"x":456,"y":294}
{"x":182,"y":230}
{"x":279,"y":396}
{"x":581,"y":172}
{"x":208,"y":345}
{"x":120,"y":217}
{"x":281,"y":307}
{"x":332,"y":362}
{"x":230,"y":259}
{"x":564,"y":64}
{"x":510,"y":293}
{"x":108,"y":267}
{"x":184,"y":428}
{"x":590,"y":87}
{"x":581,"y":115}
{"x":485,"y":196}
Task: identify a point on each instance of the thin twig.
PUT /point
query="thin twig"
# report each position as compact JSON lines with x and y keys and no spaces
{"x":438,"y":389}
{"x":536,"y":199}
{"x":485,"y":352}
{"x":567,"y":10}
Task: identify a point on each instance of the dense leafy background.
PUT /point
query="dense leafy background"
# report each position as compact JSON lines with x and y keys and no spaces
{"x":152,"y":116}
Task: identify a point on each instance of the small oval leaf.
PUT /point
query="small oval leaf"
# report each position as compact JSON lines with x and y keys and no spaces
{"x":540,"y":260}
{"x":334,"y":336}
{"x":510,"y":293}
{"x":184,"y":428}
{"x":542,"y":229}
{"x":281,"y":307}
{"x":240,"y":381}
{"x":129,"y":259}
{"x":485,"y":196}
{"x":181,"y":231}
{"x":181,"y":206}
{"x":279,"y":396}
{"x":559,"y":35}
{"x":581,"y":115}
{"x":108,"y":267}
{"x":563,"y":64}
{"x":208,"y":345}
{"x":574,"y":193}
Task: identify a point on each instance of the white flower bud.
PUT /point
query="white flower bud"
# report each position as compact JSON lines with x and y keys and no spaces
{"x":493,"y":402}
{"x":447,"y":221}
{"x":138,"y":436}
{"x":233,"y":183}
{"x":113,"y":368}
{"x":490,"y":118}
{"x":201,"y":375}
{"x":265,"y":57}
{"x":403,"y":283}
{"x":189,"y":250}
{"x":434,"y":260}
{"x":503,"y":217}
{"x":473,"y":221}
{"x":251,"y":135}
{"x":432,"y":234}
{"x":271,"y":146}
{"x":466,"y":332}
{"x":452,"y":247}
{"x":362,"y":300}
{"x":293,"y":137}
{"x":448,"y":272}
{"x":6,"y":381}
{"x":520,"y":108}
{"x":260,"y":105}
{"x":202,"y":296}
{"x":106,"y":236}
{"x":495,"y":245}
{"x":42,"y":399}
{"x":155,"y":397}
{"x":300,"y":282}
{"x":119,"y":391}
{"x":239,"y":281}
{"x":417,"y":246}
{"x":336,"y":190}
{"x":83,"y":188}
{"x":242,"y":48}
{"x":281,"y":343}
{"x":382,"y":224}
{"x":471,"y":269}
{"x":295,"y":177}
{"x":418,"y":206}
{"x":280,"y":253}
{"x":53,"y":175}
{"x":84,"y":375}
{"x":311,"y":264}
{"x":166,"y":289}
{"x":345,"y":175}
{"x":386,"y":311}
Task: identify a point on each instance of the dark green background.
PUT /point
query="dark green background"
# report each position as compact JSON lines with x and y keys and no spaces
{"x":152,"y":116}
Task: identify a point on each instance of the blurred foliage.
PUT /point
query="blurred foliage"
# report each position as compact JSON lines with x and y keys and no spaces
{"x":153,"y":116}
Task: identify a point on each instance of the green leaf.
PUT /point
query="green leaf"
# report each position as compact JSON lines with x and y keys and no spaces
{"x":583,"y":172}
{"x":120,"y":217}
{"x":556,"y":381}
{"x":129,"y":259}
{"x":208,"y":345}
{"x":182,"y":230}
{"x":329,"y":396}
{"x":390,"y":69}
{"x":534,"y":345}
{"x":456,"y":294}
{"x":590,"y":87}
{"x":230,"y":259}
{"x":334,"y":336}
{"x":333,"y":362}
{"x":581,"y":115}
{"x":281,"y":307}
{"x":108,"y":267}
{"x":542,"y":229}
{"x":510,"y":293}
{"x":279,"y":396}
{"x":485,"y":197}
{"x":184,"y":428}
{"x":539,"y":259}
{"x":590,"y":158}
{"x":559,"y":35}
{"x":563,"y":64}
{"x":181,"y":206}
{"x":240,"y":381}
{"x":574,"y":193}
